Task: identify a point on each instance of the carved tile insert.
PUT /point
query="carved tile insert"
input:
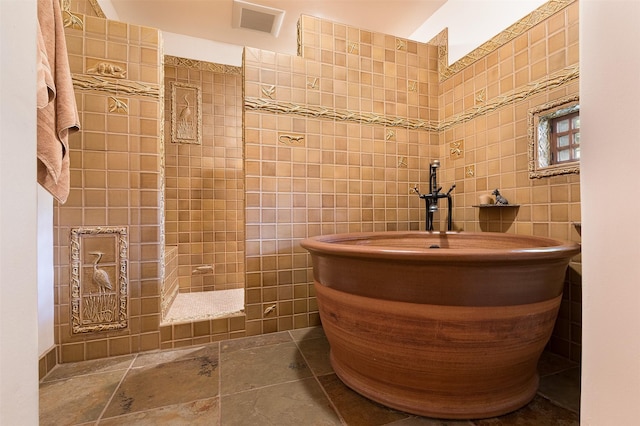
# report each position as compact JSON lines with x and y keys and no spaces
{"x":291,"y":139}
{"x":99,"y":279}
{"x":470,"y":171}
{"x":456,"y":149}
{"x":101,"y":67}
{"x":186,"y":113}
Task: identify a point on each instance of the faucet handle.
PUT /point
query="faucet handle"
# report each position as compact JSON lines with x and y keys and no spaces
{"x":451,"y":189}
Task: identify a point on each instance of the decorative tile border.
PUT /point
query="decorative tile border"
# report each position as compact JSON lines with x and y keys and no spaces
{"x":554,"y":80}
{"x":99,"y":289}
{"x":269,"y":105}
{"x":540,"y":14}
{"x":114,"y":86}
{"x":201,"y":65}
{"x":97,"y":9}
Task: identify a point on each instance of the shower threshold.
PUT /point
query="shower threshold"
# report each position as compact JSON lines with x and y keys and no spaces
{"x":203,"y":305}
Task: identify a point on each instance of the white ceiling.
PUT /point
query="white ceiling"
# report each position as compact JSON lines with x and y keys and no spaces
{"x":211,"y":19}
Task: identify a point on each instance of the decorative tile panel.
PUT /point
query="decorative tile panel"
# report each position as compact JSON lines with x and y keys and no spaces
{"x":99,"y":279}
{"x":186,"y":113}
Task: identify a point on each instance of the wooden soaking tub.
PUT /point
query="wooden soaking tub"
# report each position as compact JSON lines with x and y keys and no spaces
{"x":439,"y":324}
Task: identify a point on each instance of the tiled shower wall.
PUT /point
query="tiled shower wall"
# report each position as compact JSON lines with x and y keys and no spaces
{"x":325,"y":153}
{"x":204,"y":194}
{"x":485,"y":109}
{"x":115,"y":176}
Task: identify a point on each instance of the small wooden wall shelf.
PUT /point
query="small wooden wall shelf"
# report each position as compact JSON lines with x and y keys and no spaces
{"x":482,"y":206}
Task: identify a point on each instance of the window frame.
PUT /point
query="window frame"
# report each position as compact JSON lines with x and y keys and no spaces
{"x":540,"y":117}
{"x":571,"y":133}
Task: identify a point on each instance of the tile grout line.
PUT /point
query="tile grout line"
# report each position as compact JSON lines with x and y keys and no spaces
{"x":115,"y":390}
{"x":315,"y":377}
{"x":267,"y":386}
{"x":219,"y":383}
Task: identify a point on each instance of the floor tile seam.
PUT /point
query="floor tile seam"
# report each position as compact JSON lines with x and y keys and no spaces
{"x":83,"y":375}
{"x":556,"y":403}
{"x":317,"y":380}
{"x":224,"y":395}
{"x":301,"y":339}
{"x":90,"y":373}
{"x":560,"y":371}
{"x":156,"y":364}
{"x":188,"y":358}
{"x":148,"y":410}
{"x":219,"y":372}
{"x":253,"y":347}
{"x":115,"y":390}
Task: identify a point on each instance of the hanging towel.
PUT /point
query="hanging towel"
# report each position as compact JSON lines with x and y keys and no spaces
{"x":57,"y":110}
{"x":46,"y":87}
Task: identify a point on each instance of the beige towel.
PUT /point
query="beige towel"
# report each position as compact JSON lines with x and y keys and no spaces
{"x":46,"y":87}
{"x":59,"y":116}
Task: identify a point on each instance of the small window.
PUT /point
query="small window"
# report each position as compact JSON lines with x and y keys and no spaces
{"x":554,"y":138}
{"x":565,"y":138}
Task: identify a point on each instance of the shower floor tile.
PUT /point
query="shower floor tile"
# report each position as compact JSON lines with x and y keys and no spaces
{"x":205,"y":305}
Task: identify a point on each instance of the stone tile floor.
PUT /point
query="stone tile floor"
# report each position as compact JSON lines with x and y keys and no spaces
{"x":276,"y":379}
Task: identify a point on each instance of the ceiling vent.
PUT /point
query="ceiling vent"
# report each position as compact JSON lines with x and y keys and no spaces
{"x":255,"y":17}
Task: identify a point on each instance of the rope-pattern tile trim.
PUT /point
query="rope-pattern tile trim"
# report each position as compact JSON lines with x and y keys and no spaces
{"x":555,"y":80}
{"x":97,"y":9}
{"x":278,"y":107}
{"x":269,"y":105}
{"x":202,"y":65}
{"x":115,"y":86}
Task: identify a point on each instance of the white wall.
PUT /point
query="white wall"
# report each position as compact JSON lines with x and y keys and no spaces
{"x":201,"y":49}
{"x":45,"y":271}
{"x":18,"y":219}
{"x":473,"y":22}
{"x":610,"y":120}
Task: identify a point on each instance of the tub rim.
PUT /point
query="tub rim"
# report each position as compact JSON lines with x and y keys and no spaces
{"x":541,"y":248}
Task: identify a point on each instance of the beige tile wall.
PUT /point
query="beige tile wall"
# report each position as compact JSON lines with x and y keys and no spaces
{"x":307,"y":176}
{"x":372,"y":114}
{"x":205,"y":183}
{"x":496,"y":146}
{"x":347,"y":176}
{"x":115,"y":178}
